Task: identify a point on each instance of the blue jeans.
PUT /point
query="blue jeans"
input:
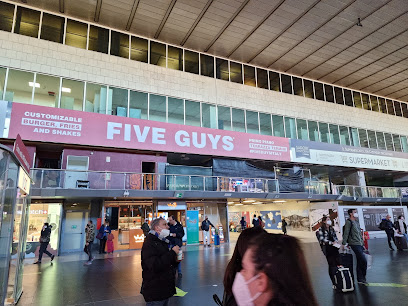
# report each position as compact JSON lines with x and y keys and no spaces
{"x":158,"y":303}
{"x":406,"y":236}
{"x":179,"y":268}
{"x":361,"y":262}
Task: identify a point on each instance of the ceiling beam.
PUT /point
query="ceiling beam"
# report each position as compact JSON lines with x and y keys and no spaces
{"x":164,"y":20}
{"x":198,"y":19}
{"x":398,"y":97}
{"x":98,"y":10}
{"x":256,"y":28}
{"x":313,"y":32}
{"x":361,"y":39}
{"x":284,"y":30}
{"x":243,"y":4}
{"x":334,"y":38}
{"x":391,"y":84}
{"x":132,"y":14}
{"x":61,"y":6}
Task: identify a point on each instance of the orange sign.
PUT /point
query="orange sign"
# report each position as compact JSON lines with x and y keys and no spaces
{"x":136,"y":238}
{"x":174,"y":204}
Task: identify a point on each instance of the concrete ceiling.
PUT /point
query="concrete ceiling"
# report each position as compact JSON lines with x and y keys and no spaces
{"x":318,"y":39}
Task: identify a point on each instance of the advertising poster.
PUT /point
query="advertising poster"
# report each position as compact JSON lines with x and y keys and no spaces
{"x":272,"y":219}
{"x":192,"y":227}
{"x":372,"y":218}
{"x":316,"y":216}
{"x":396,"y":212}
{"x":297,"y":220}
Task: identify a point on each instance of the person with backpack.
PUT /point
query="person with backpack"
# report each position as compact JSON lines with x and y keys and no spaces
{"x":243,"y":223}
{"x":387,"y":226}
{"x":352,"y":236}
{"x":328,"y":243}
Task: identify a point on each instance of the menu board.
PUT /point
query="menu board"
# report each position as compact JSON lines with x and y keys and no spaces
{"x":373,"y":216}
{"x":396,"y":212}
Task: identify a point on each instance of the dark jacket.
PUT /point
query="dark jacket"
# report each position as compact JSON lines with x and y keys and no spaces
{"x":255,"y":222}
{"x":158,"y":265}
{"x":284,"y":224}
{"x":45,"y":235}
{"x":386,"y":225}
{"x":102,"y":231}
{"x":145,"y":228}
{"x":205,"y":225}
{"x":243,"y":224}
{"x":179,"y":231}
{"x":397,"y":226}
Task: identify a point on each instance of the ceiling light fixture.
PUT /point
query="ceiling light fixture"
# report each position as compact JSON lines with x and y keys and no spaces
{"x":31,"y":84}
{"x":230,"y":202}
{"x":65,"y":89}
{"x":238,"y":204}
{"x":248,"y":201}
{"x":279,"y":201}
{"x":359,"y":23}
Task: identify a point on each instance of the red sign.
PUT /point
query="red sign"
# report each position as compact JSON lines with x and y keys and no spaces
{"x":67,"y":126}
{"x":22,"y":154}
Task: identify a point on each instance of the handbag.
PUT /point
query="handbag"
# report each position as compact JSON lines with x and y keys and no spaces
{"x":369,"y":259}
{"x":99,"y":236}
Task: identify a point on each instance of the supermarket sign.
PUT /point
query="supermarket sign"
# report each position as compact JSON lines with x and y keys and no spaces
{"x":39,"y":123}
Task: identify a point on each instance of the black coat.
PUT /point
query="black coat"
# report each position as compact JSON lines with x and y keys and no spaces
{"x":397,"y":226}
{"x":179,"y":231}
{"x":45,"y":235}
{"x":158,"y":264}
{"x":387,"y":225}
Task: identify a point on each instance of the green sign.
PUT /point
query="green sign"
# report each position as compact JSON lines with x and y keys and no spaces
{"x":192,"y":227}
{"x":73,"y":226}
{"x":179,"y":195}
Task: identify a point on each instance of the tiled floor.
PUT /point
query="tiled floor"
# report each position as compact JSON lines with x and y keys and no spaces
{"x":116,"y":279}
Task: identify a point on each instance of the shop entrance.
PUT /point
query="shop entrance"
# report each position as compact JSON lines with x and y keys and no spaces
{"x":73,"y":239}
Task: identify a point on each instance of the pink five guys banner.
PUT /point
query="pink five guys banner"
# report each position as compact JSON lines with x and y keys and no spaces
{"x":47,"y":124}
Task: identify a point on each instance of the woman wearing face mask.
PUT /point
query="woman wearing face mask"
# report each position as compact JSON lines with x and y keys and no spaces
{"x":273,"y":272}
{"x":401,"y":228}
{"x":327,"y":239}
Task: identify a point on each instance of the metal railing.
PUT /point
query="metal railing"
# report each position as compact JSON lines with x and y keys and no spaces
{"x":368,"y":191}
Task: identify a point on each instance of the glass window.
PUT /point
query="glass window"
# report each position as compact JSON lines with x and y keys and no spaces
{"x":318,"y":87}
{"x":27,"y":22}
{"x":52,"y":28}
{"x":397,"y":108}
{"x":175,"y":58}
{"x":348,"y":98}
{"x":265,"y":124}
{"x":404,"y":144}
{"x":72,"y":94}
{"x":404,"y":108}
{"x":138,"y":105}
{"x":278,"y":126}
{"x":76,"y":35}
{"x":297,"y":86}
{"x":334,"y":134}
{"x":249,"y":76}
{"x":390,"y":107}
{"x":157,"y":54}
{"x":374,"y":104}
{"x":357,"y":99}
{"x":193,"y":113}
{"x":383,"y":105}
{"x":313,"y":131}
{"x":328,"y":91}
{"x":397,"y":143}
{"x":209,"y":115}
{"x":308,"y":86}
{"x":46,"y":90}
{"x":290,"y":128}
{"x":252,"y":123}
{"x":139,"y":49}
{"x":324,"y":132}
{"x":380,"y":140}
{"x":365,"y":101}
{"x":2,"y":79}
{"x":95,"y":101}
{"x":236,"y":72}
{"x":207,"y":65}
{"x":302,"y":132}
{"x":157,"y":108}
{"x":175,"y":110}
{"x":362,"y":134}
{"x":238,"y":120}
{"x":191,"y":62}
{"x":372,"y":141}
{"x":118,"y":101}
{"x":19,"y":86}
{"x":274,"y":81}
{"x":262,"y":78}
{"x":388,"y":142}
{"x":286,"y":83}
{"x":222,"y":69}
{"x":354,"y":137}
{"x":338,"y":93}
{"x":344,"y":135}
{"x":98,"y":39}
{"x":224,"y":118}
{"x":119,"y":44}
{"x":6,"y":16}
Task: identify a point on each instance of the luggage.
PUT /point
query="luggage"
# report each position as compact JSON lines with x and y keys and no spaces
{"x":401,"y":243}
{"x":344,"y":281}
{"x":346,"y":260}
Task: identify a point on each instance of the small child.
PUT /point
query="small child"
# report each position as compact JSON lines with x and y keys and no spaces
{"x":366,"y":237}
{"x":109,"y":243}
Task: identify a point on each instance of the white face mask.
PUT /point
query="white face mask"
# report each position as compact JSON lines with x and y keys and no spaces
{"x":241,"y":291}
{"x":329,"y":222}
{"x":355,"y":215}
{"x":164,"y":233}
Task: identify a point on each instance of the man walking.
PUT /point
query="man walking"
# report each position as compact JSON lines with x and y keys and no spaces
{"x":90,"y":237}
{"x":352,"y":236}
{"x":145,"y":228}
{"x":284,"y":226}
{"x":158,"y":264}
{"x":205,"y":226}
{"x":255,"y":221}
{"x":176,"y":237}
{"x":387,"y":226}
{"x":44,"y":241}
